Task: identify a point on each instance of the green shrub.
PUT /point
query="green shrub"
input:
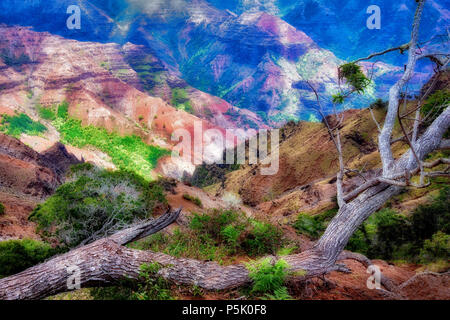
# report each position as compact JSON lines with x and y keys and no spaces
{"x":193,"y":199}
{"x":180,"y":100}
{"x":63,"y":110}
{"x":392,"y":230}
{"x":438,"y":248}
{"x":308,"y":225}
{"x":46,"y":113}
{"x":359,"y":241}
{"x":430,"y":218}
{"x":389,"y":235}
{"x":18,"y":255}
{"x":379,"y":104}
{"x":313,"y":226}
{"x":209,"y":174}
{"x":92,"y":199}
{"x":231,"y":235}
{"x":435,"y":104}
{"x":21,"y":123}
{"x":150,"y":286}
{"x":215,"y":221}
{"x":261,"y":238}
{"x":2,"y":209}
{"x":354,"y":76}
{"x":281,"y":293}
{"x":234,"y":230}
{"x":269,"y":279}
{"x":184,"y":244}
{"x":381,"y":235}
{"x":215,"y":235}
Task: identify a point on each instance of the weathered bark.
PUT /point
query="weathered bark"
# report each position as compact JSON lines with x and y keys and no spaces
{"x":106,"y":262}
{"x":384,"y":139}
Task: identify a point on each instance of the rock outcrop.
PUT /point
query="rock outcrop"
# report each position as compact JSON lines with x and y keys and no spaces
{"x":24,"y":171}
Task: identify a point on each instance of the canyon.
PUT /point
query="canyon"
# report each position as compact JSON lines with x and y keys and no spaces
{"x":140,"y":73}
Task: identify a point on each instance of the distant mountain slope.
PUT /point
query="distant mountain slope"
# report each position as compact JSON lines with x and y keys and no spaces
{"x":40,"y":70}
{"x":340,"y":26}
{"x":243,"y":53}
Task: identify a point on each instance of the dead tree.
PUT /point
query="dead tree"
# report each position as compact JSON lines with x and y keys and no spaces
{"x":107,"y":261}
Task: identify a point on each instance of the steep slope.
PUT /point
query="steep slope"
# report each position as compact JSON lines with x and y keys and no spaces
{"x":308,"y":163}
{"x":308,"y":155}
{"x":26,"y":177}
{"x":102,"y":89}
{"x":253,"y":59}
{"x":353,"y":39}
{"x":341,"y":27}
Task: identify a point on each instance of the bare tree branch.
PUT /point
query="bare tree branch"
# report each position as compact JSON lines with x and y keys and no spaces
{"x":401,"y":48}
{"x":384,"y":140}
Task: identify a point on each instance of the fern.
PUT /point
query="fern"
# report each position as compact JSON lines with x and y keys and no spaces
{"x":268,"y":278}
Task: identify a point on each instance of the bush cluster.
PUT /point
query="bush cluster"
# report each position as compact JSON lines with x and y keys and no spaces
{"x":150,"y":287}
{"x":237,"y":232}
{"x":95,"y":202}
{"x":389,"y":235}
{"x":434,"y":105}
{"x":20,"y":123}
{"x":216,"y":235}
{"x":128,"y":153}
{"x":46,"y":113}
{"x":180,"y":100}
{"x":313,"y":226}
{"x":18,"y":255}
{"x":269,"y":279}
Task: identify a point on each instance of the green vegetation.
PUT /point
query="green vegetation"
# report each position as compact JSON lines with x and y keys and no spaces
{"x":354,"y":76}
{"x":180,"y":100}
{"x":18,"y":255}
{"x":438,"y":248}
{"x":105,"y":65}
{"x":434,"y":105}
{"x":2,"y":209}
{"x":193,"y":199}
{"x":128,"y":153}
{"x":308,"y":225}
{"x":216,"y":235}
{"x":379,"y":104}
{"x":236,"y":231}
{"x":269,"y":279}
{"x":46,"y":113}
{"x":150,"y":287}
{"x":338,"y":98}
{"x":62,"y":111}
{"x":13,"y":61}
{"x":389,"y":235}
{"x":209,"y":174}
{"x":313,"y":226}
{"x":95,"y":202}
{"x":20,"y":123}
